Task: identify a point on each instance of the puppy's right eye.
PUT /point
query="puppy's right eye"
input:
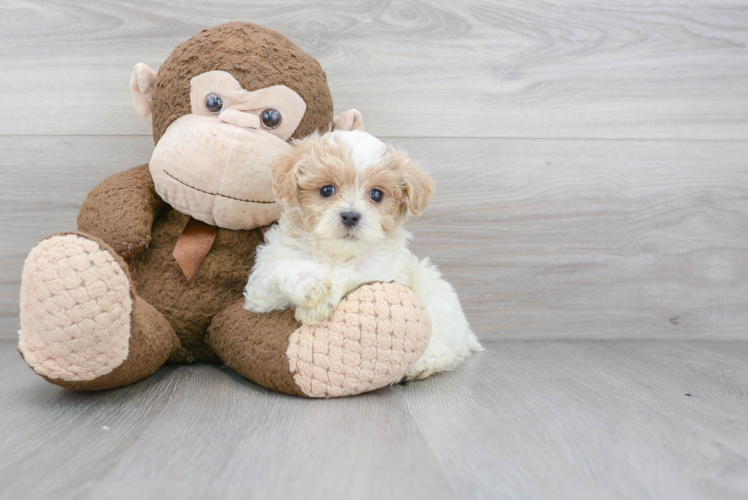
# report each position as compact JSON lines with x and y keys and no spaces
{"x":326,"y":191}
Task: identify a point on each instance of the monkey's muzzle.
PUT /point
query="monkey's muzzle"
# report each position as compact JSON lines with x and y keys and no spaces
{"x":218,"y":172}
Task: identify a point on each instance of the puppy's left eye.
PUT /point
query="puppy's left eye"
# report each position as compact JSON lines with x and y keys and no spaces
{"x":376,"y":195}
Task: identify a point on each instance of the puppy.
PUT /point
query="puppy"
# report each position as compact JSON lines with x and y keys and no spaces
{"x":345,"y":196}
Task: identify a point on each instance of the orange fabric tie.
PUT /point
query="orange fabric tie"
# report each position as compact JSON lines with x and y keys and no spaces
{"x":193,"y":246}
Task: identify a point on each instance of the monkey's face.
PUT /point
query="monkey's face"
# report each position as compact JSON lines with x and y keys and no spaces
{"x":213,"y":164}
{"x":223,"y":105}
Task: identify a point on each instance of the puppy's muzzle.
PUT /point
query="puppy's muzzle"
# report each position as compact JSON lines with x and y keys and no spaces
{"x":350,"y":219}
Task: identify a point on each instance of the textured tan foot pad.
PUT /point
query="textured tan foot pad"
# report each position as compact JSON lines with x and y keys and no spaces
{"x":75,"y":309}
{"x":374,"y":337}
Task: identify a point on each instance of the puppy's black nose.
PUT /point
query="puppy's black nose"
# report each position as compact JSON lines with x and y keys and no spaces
{"x":350,"y":219}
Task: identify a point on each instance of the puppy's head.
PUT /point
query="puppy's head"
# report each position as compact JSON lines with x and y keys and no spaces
{"x":348,"y":190}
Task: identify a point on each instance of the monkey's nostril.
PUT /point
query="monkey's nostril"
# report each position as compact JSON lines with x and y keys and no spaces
{"x":350,"y":219}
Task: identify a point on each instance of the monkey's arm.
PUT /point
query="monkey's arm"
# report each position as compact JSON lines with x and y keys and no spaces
{"x":121,"y":211}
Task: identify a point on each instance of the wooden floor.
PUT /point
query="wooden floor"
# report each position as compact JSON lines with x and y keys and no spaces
{"x":591,"y":163}
{"x":526,"y":419}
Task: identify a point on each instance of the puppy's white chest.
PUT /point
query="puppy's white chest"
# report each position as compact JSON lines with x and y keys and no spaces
{"x":390,"y":268}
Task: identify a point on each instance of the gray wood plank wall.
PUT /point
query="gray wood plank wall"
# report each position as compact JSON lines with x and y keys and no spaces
{"x":591,"y":160}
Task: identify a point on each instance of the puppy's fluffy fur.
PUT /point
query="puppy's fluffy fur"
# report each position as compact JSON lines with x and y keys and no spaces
{"x":313,"y":257}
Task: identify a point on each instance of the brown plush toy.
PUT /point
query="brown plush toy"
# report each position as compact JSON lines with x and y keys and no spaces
{"x":163,"y":251}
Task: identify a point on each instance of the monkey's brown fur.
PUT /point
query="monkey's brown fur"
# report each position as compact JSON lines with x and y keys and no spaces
{"x":275,"y":61}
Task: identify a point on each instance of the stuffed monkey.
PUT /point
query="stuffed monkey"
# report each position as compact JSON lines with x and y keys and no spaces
{"x":156,"y":270}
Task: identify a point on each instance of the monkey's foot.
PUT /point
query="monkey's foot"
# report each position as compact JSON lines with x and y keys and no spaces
{"x":75,"y":309}
{"x":373,"y":338}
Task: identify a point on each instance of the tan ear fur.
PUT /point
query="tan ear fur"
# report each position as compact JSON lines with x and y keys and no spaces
{"x":286,"y":173}
{"x":418,"y":188}
{"x":142,"y":84}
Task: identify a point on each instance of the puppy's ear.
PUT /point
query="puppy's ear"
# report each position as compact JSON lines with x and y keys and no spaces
{"x":286,"y":174}
{"x":418,"y":188}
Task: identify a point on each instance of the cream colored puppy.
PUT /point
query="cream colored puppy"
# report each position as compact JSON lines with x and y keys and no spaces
{"x":345,"y":196}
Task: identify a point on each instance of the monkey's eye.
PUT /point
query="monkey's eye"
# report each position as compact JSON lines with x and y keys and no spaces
{"x":326,"y":191}
{"x":214,"y":103}
{"x":270,"y":118}
{"x":376,"y":195}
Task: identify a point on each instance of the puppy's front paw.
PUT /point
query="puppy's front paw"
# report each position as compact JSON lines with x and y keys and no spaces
{"x":311,"y":292}
{"x":319,"y":313}
{"x":310,"y":315}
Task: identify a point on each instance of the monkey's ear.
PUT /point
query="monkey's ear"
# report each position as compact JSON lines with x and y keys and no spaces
{"x":285,"y":174}
{"x":142,"y":84}
{"x":349,"y":120}
{"x":418,"y":188}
